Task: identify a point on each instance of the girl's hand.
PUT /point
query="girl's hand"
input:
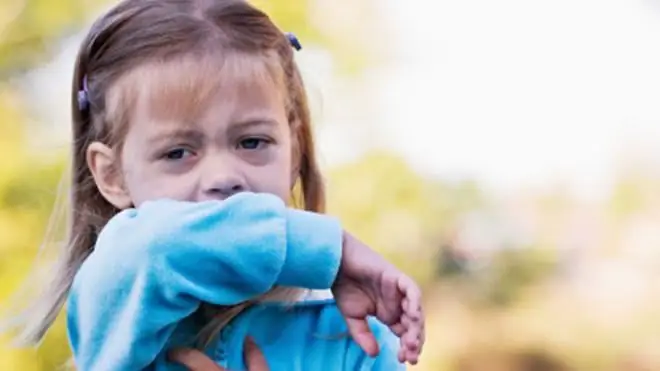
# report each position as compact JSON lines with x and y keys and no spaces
{"x":368,"y":285}
{"x":194,"y":360}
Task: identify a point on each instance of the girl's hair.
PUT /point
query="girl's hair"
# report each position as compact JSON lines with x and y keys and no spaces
{"x":136,"y":33}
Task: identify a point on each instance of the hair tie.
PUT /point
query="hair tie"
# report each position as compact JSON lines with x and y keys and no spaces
{"x":293,"y":40}
{"x":83,"y":96}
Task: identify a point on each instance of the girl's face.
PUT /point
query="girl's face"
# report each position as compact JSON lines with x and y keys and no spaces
{"x":194,"y":139}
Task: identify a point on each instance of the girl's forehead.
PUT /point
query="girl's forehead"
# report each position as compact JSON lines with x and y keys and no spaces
{"x":184,"y":88}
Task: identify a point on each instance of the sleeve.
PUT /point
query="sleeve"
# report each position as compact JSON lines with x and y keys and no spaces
{"x":154,"y":266}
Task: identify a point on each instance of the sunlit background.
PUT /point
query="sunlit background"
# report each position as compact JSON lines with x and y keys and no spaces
{"x":504,"y":153}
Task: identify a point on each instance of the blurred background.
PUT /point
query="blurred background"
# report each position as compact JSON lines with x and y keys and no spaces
{"x":504,"y":153}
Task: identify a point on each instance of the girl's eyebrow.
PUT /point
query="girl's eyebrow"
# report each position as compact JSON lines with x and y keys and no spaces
{"x":178,"y":133}
{"x":255,"y":121}
{"x":197,"y":136}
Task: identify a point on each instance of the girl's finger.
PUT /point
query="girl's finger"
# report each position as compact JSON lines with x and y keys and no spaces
{"x":422,"y":335}
{"x":401,"y":355}
{"x":193,"y":359}
{"x":407,"y":355}
{"x":362,"y":335}
{"x":398,"y":329}
{"x":412,"y":338}
{"x":412,"y":304}
{"x":392,"y":298}
{"x":254,"y":358}
{"x":412,"y":357}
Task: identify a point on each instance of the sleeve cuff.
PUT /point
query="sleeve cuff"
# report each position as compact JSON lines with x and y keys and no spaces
{"x":313,"y":251}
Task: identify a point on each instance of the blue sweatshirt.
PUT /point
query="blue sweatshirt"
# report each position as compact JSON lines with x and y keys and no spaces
{"x":134,"y":297}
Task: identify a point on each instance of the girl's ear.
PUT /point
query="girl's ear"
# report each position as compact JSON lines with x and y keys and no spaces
{"x":102,"y":162}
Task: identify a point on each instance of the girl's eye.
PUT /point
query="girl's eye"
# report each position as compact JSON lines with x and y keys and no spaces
{"x":177,"y":154}
{"x":252,"y":143}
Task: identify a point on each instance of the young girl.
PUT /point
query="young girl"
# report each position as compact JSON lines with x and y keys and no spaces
{"x":192,"y":136}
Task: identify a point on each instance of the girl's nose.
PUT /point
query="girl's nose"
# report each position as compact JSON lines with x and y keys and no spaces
{"x":222,"y":176}
{"x":224,"y":187}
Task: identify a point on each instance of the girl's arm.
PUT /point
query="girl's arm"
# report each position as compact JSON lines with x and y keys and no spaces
{"x":153,"y":266}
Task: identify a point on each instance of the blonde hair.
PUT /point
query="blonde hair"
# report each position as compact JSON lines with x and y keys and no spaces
{"x":136,"y":33}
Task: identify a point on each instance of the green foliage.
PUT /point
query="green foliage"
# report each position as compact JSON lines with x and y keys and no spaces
{"x":27,"y":194}
{"x":31,"y":27}
{"x":313,"y":26}
{"x":403,"y":215}
{"x":513,"y":271}
{"x":290,"y":16}
{"x":499,"y":280}
{"x":628,"y":196}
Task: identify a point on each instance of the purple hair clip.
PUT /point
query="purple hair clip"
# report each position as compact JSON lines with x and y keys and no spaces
{"x":83,"y":96}
{"x":293,"y":40}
